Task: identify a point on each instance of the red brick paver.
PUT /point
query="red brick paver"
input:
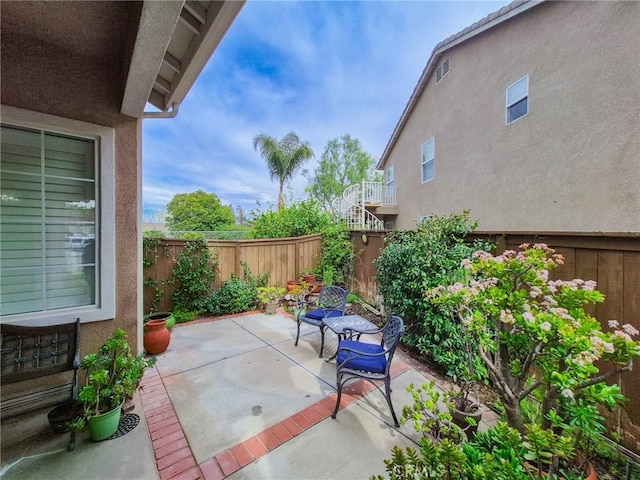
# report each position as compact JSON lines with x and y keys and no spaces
{"x":211,"y":470}
{"x":227,"y":462}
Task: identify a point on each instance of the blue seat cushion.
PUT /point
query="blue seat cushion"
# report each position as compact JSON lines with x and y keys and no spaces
{"x":369,"y":364}
{"x":320,"y":313}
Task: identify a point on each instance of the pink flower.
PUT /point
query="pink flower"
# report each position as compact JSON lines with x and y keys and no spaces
{"x":546,"y":326}
{"x":630,"y":329}
{"x":613,"y":324}
{"x":589,"y":286}
{"x":528,"y":316}
{"x":507,"y":317}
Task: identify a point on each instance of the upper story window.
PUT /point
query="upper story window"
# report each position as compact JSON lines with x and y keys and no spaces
{"x":518,"y":99}
{"x":389,"y":178}
{"x":56,"y":239}
{"x":428,"y":159}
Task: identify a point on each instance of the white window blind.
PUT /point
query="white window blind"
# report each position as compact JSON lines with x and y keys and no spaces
{"x":48,"y":221}
{"x":428,"y":160}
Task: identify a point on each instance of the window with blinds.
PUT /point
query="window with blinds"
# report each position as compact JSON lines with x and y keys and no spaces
{"x":48,"y":227}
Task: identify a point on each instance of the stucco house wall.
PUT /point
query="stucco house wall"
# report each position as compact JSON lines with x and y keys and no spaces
{"x":572,"y":164}
{"x":45,"y":79}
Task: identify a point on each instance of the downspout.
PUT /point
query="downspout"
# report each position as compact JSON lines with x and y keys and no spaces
{"x":167,"y":114}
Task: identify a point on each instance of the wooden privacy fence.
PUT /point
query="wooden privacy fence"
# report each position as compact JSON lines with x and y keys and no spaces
{"x":612,"y":261}
{"x":284,"y":258}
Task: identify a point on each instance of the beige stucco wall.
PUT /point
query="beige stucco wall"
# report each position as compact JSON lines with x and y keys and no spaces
{"x":572,"y":164}
{"x":42,"y":78}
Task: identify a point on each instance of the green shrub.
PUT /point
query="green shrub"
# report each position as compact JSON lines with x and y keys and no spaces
{"x":153,"y":234}
{"x":185,"y":316}
{"x":298,"y":219}
{"x":338,"y":256}
{"x":412,"y":263}
{"x":233,"y":296}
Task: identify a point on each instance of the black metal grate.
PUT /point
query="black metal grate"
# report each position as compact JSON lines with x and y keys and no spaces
{"x":21,"y":353}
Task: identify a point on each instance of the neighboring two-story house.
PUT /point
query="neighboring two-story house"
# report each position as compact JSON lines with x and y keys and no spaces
{"x":530,"y":119}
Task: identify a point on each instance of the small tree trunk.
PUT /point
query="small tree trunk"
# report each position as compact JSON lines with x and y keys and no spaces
{"x":281,"y":197}
{"x":514,"y":415}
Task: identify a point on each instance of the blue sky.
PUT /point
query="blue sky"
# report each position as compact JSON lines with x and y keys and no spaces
{"x":321,"y":69}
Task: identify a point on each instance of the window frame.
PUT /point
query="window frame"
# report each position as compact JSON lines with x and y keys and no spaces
{"x":509,"y":105}
{"x":424,"y":162}
{"x":104,"y":138}
{"x":389,"y":173}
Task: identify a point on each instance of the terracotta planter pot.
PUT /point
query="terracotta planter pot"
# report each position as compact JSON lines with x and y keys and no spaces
{"x":292,"y":285}
{"x":309,"y":279}
{"x":156,"y":336}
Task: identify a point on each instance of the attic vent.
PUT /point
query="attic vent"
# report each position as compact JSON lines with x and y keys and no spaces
{"x":442,"y":70}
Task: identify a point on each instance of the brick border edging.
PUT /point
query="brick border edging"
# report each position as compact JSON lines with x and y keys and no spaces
{"x":173,"y":455}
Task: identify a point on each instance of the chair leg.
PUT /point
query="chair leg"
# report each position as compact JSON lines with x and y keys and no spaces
{"x":387,"y":388}
{"x":335,"y":410}
{"x":298,"y":334}
{"x":322,"y":329}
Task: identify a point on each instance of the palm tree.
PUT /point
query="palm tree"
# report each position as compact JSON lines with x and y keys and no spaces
{"x":283,"y":157}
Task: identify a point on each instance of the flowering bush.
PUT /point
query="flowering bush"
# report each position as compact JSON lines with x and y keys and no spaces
{"x":534,"y":336}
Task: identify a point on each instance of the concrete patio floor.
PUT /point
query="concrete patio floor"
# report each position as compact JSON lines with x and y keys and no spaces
{"x":233,"y":398}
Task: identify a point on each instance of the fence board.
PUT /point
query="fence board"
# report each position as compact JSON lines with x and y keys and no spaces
{"x":285,"y":258}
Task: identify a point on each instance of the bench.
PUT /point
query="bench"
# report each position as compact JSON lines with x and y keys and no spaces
{"x":32,"y":352}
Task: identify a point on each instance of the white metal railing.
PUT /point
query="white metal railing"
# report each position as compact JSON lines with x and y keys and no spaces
{"x":351,"y":206}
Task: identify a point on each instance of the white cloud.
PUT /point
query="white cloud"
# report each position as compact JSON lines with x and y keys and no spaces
{"x":321,"y":69}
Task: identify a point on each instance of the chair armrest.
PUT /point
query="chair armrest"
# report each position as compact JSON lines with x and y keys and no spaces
{"x":350,"y":332}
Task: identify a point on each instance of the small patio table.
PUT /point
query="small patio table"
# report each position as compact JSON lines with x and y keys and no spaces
{"x":346,"y":326}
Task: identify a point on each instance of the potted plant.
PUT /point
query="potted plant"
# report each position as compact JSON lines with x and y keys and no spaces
{"x":112,"y":375}
{"x":428,"y":415}
{"x":465,"y":412}
{"x":270,"y":297}
{"x":535,"y":338}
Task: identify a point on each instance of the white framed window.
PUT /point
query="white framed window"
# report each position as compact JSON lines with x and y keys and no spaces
{"x":57,"y":219}
{"x":428,"y":160}
{"x":389,"y":177}
{"x":518,"y":99}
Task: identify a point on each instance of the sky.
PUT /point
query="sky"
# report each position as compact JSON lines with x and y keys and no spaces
{"x":320,"y":69}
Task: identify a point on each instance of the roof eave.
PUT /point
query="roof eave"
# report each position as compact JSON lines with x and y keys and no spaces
{"x":157,"y":24}
{"x":157,"y":28}
{"x":196,"y":59}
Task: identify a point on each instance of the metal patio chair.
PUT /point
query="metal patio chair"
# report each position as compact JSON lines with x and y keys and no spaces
{"x":331,"y":303}
{"x":369,"y":361}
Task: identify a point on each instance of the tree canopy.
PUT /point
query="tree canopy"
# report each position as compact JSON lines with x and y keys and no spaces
{"x":198,"y":211}
{"x":343,"y":163}
{"x":283,"y":157}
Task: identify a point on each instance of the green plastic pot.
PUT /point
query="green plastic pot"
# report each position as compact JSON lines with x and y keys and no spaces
{"x":171,"y":320}
{"x":103,"y":426}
